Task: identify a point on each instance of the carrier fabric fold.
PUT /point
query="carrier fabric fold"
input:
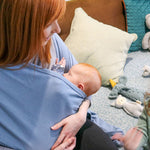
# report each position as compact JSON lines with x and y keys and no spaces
{"x":31,"y":101}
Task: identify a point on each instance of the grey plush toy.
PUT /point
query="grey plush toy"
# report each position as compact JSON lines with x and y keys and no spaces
{"x":132,"y":108}
{"x":129,"y":92}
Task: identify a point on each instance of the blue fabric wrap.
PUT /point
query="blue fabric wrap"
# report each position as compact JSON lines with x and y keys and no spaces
{"x":33,"y":99}
{"x":31,"y":104}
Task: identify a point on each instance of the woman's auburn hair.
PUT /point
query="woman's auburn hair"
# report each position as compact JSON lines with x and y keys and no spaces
{"x":22,"y":24}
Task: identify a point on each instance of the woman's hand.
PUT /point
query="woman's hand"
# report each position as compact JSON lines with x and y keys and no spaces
{"x":72,"y":124}
{"x":67,"y":145}
{"x":131,"y":140}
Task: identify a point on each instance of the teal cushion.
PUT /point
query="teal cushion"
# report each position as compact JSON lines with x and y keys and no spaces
{"x":136,"y":10}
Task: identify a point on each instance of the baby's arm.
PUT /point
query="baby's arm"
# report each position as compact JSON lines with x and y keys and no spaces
{"x":62,"y":62}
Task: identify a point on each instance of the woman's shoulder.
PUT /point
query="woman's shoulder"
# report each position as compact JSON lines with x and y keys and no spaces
{"x":57,"y":38}
{"x":60,"y":47}
{"x":58,"y":43}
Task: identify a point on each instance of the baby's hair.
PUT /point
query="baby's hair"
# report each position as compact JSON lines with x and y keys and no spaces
{"x":92,"y":67}
{"x":95,"y":75}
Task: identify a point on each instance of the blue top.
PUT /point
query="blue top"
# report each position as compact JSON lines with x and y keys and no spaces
{"x":32,"y":100}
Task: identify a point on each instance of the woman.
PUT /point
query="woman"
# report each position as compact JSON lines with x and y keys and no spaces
{"x":28,"y":48}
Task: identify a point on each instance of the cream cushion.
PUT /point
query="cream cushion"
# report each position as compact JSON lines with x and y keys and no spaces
{"x":103,"y":46}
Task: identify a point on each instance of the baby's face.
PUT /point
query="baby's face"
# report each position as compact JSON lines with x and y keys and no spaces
{"x":74,"y":74}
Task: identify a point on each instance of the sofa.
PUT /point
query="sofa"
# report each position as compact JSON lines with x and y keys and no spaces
{"x":108,"y":35}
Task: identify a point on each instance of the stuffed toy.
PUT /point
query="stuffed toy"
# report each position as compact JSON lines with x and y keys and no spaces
{"x":132,"y":108}
{"x":129,"y":92}
{"x":146,"y":38}
{"x":146,"y":71}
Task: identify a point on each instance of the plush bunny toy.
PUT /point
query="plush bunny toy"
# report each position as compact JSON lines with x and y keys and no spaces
{"x":146,"y":38}
{"x":132,"y":108}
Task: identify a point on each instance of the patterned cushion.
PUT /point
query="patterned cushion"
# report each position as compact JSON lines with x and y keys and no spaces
{"x":136,"y":11}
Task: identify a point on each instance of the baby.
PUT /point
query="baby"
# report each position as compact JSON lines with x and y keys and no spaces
{"x":84,"y":76}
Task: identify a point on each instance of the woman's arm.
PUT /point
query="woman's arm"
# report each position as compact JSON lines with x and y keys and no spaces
{"x":72,"y":124}
{"x":84,"y":108}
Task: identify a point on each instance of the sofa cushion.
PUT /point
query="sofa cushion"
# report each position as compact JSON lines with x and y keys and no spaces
{"x":100,"y":45}
{"x":108,"y":11}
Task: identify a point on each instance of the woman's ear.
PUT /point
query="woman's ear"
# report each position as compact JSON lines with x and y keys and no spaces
{"x":81,"y":86}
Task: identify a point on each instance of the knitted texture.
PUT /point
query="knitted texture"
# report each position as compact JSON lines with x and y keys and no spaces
{"x":136,"y":10}
{"x":129,"y":92}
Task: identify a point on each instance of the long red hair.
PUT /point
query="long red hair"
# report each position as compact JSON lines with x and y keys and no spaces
{"x":22,"y":23}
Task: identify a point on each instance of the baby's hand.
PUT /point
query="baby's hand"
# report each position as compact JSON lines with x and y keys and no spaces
{"x":62,"y":62}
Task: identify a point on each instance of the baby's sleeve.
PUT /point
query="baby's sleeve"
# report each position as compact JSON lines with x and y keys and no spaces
{"x":142,"y":125}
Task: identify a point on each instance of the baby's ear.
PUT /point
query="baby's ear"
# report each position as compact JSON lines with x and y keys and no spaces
{"x":81,"y":86}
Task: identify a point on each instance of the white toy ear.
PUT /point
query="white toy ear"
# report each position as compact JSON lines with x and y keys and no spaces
{"x":145,"y":41}
{"x":146,"y":68}
{"x":113,"y":104}
{"x":135,"y":36}
{"x":149,"y":43}
{"x":146,"y":71}
{"x":119,"y":102}
{"x":147,"y":17}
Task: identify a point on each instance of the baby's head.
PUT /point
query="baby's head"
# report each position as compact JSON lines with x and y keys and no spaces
{"x":86,"y":77}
